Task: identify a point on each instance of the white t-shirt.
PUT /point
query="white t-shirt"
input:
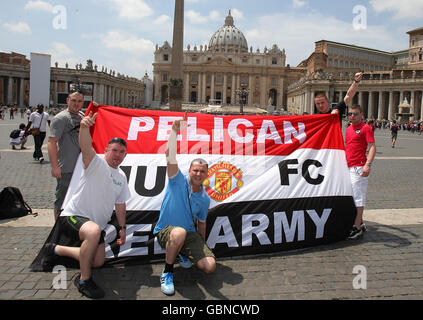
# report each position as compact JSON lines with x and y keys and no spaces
{"x":99,"y":189}
{"x":35,"y":119}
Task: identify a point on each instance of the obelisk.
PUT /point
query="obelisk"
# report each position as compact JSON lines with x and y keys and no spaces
{"x":176,"y":73}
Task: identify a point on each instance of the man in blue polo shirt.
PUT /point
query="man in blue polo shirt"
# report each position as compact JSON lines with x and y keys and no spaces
{"x":181,"y":228}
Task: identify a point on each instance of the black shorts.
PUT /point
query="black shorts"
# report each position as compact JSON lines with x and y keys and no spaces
{"x":71,"y":226}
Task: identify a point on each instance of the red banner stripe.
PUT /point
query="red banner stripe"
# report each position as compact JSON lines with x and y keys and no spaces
{"x":146,"y":132}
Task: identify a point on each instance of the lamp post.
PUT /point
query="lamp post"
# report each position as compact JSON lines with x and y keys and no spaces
{"x":243,"y":98}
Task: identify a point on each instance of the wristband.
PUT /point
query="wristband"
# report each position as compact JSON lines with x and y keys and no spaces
{"x":356,"y":81}
{"x":369,"y":163}
{"x":121,"y":228}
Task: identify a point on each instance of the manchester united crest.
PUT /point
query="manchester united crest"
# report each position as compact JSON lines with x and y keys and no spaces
{"x":227,"y":181}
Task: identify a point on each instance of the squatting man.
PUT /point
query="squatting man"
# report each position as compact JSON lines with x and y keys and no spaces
{"x":181,"y":228}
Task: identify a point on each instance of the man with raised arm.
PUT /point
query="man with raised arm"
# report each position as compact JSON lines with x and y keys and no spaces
{"x":181,"y":228}
{"x":322,"y":102}
{"x":102,"y":188}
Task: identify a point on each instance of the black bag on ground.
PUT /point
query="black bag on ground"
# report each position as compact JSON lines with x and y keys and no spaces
{"x":12,"y":204}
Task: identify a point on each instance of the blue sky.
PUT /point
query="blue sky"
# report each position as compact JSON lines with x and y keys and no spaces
{"x":121,"y":34}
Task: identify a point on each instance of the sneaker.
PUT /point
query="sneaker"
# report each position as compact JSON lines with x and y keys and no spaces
{"x":41,"y":160}
{"x":355,"y":233}
{"x":88,"y":288}
{"x":49,"y":257}
{"x":166,"y":280}
{"x":363,"y":227}
{"x":184,"y":262}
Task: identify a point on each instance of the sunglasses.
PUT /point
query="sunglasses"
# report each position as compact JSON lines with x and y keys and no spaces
{"x":353,"y":114}
{"x":118,"y":140}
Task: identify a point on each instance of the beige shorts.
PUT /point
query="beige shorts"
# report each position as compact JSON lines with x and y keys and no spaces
{"x":194,"y":248}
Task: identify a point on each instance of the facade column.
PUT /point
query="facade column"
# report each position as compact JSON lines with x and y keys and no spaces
{"x":10,"y":91}
{"x":305,"y":106}
{"x":250,"y":86}
{"x":263,"y":91}
{"x":186,"y":87}
{"x":212,"y":94}
{"x":412,"y":104}
{"x":391,"y":104}
{"x":199,"y":84}
{"x":225,"y":89}
{"x":340,"y":96}
{"x":380,"y":111}
{"x":401,"y":97}
{"x":204,"y":95}
{"x":238,"y":84}
{"x":370,"y":106}
{"x":313,"y":94}
{"x":233,"y":87}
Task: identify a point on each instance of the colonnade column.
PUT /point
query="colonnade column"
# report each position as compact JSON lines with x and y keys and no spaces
{"x":22,"y":92}
{"x":391,"y":105}
{"x":379,"y":114}
{"x":370,"y":106}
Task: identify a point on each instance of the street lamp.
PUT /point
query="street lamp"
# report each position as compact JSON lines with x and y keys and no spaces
{"x":243,"y":98}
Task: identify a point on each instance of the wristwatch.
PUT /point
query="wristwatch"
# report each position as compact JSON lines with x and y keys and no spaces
{"x":121,"y":228}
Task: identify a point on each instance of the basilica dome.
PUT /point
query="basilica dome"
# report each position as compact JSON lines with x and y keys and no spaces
{"x":228,"y":36}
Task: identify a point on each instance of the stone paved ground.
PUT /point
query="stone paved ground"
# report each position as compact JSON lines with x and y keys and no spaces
{"x":391,"y":252}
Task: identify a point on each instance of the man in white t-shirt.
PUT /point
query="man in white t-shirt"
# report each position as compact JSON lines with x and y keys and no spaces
{"x":38,"y":120}
{"x":102,"y":188}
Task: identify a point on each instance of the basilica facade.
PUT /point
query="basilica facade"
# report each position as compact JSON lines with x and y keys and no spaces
{"x":214,"y":73}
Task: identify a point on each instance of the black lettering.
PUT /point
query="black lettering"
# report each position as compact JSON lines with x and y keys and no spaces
{"x":158,"y":186}
{"x":285,"y":171}
{"x":306,"y":173}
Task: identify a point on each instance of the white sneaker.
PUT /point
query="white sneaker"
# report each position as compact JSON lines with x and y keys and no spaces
{"x":184,"y":262}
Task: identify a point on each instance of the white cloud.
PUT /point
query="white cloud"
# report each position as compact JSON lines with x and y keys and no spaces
{"x":293,"y":34}
{"x":117,"y":40}
{"x":237,"y":14}
{"x":163,"y":19}
{"x":196,"y":18}
{"x":39,"y":5}
{"x":62,"y":54}
{"x":132,"y":9}
{"x":298,"y":3}
{"x":20,"y":27}
{"x":404,"y":9}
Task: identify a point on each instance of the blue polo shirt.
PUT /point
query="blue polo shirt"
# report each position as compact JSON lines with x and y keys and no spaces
{"x":175,"y":209}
